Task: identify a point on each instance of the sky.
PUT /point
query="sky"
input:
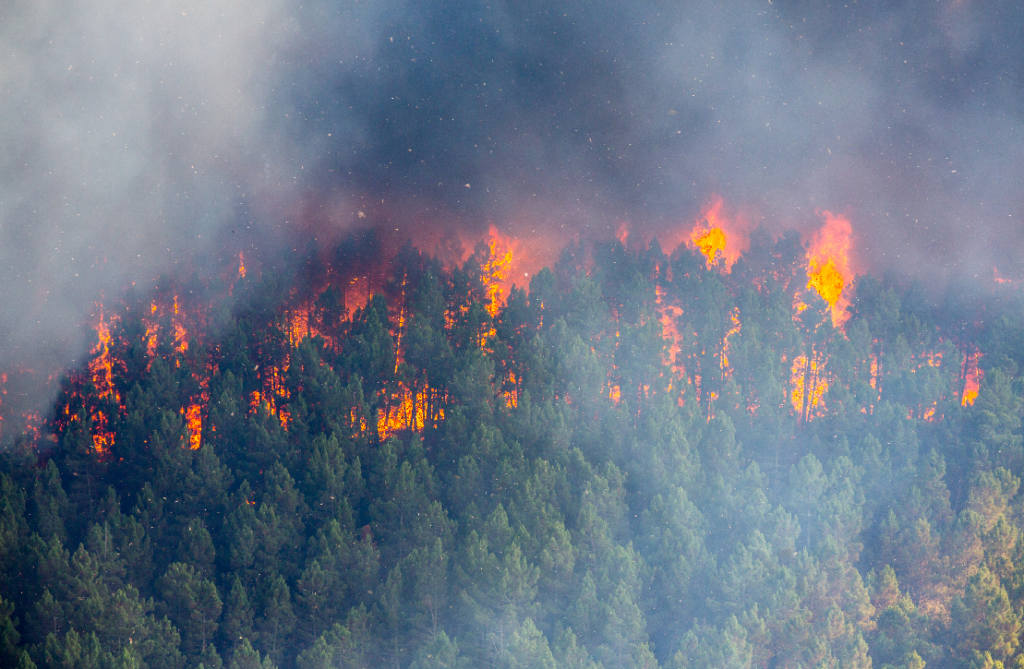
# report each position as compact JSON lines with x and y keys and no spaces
{"x":147,"y":139}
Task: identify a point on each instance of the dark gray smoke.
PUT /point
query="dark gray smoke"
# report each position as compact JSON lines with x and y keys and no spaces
{"x":139,"y":138}
{"x":904,"y":116}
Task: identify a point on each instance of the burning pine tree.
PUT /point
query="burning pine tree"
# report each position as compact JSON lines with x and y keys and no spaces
{"x":643,"y":456}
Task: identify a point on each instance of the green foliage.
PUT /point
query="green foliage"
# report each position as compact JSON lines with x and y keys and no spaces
{"x":561,"y":493}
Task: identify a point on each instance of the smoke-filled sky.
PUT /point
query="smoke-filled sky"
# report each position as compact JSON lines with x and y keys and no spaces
{"x":140,"y":138}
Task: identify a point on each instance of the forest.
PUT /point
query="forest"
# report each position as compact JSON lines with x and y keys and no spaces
{"x":641,"y":459}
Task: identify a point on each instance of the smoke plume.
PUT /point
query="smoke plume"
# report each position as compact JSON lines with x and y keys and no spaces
{"x":142,"y":139}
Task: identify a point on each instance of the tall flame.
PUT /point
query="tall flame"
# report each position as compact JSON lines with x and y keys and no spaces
{"x":194,"y":425}
{"x":828,"y":264}
{"x":495,"y":271}
{"x":808,"y":386}
{"x":972,"y":379}
{"x":101,"y":372}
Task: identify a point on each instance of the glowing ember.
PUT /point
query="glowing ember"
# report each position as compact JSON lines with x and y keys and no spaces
{"x":241,"y":265}
{"x":828,"y":265}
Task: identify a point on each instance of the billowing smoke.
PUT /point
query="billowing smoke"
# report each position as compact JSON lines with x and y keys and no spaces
{"x":143,"y":138}
{"x":904,"y":116}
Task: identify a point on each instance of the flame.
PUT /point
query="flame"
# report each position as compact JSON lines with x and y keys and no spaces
{"x":101,"y":372}
{"x":281,"y":413}
{"x":711,"y":243}
{"x":400,"y":326}
{"x":828,"y":265}
{"x":511,"y":394}
{"x":801,"y":376}
{"x":241,"y":265}
{"x":622,"y":234}
{"x":194,"y":425}
{"x":668,"y":315}
{"x":725,"y":340}
{"x":101,"y":368}
{"x":299,"y":326}
{"x":357,"y":295}
{"x":409,"y":412}
{"x":972,"y":379}
{"x":717,"y":237}
{"x":495,"y":272}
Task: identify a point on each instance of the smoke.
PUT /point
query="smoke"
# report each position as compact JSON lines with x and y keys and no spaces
{"x":132,"y":139}
{"x":141,"y":139}
{"x":904,"y":116}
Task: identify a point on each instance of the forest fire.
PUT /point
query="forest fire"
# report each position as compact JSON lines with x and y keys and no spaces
{"x":828,"y":264}
{"x":410,"y":405}
{"x":100,"y":372}
{"x":972,"y":375}
{"x":447,"y":354}
{"x":808,"y":388}
{"x":435,"y":335}
{"x":494,"y":272}
{"x":717,"y":236}
{"x":194,"y":425}
{"x":668,"y":315}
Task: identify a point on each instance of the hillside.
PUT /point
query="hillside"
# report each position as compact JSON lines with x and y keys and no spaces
{"x":643,"y":460}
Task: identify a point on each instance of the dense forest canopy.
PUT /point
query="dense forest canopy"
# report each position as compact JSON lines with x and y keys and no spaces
{"x":643,"y":460}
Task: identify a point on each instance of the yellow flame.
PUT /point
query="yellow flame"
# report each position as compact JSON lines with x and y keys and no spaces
{"x":711,"y":243}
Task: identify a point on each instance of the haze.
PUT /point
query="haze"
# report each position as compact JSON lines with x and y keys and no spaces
{"x":141,"y":139}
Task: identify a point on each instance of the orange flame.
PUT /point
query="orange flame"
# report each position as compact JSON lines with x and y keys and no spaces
{"x":725,"y":340}
{"x":101,"y":371}
{"x":241,"y":265}
{"x":717,"y":237}
{"x":495,"y":272}
{"x":409,"y":412}
{"x":972,"y":379}
{"x":194,"y":424}
{"x":101,"y":368}
{"x":668,"y":315}
{"x":828,"y":264}
{"x":622,"y":234}
{"x":800,"y":377}
{"x":511,"y":394}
